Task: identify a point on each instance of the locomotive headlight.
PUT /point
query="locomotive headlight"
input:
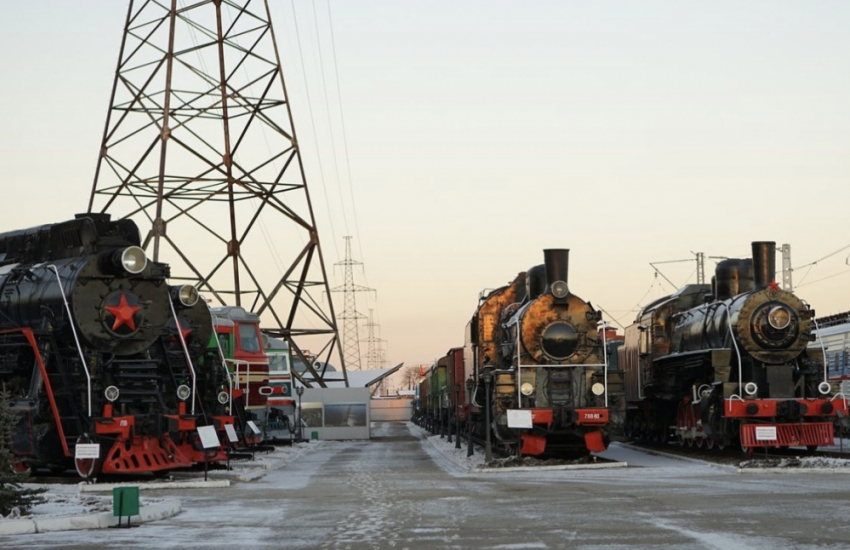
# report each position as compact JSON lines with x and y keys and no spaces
{"x":597,"y":388}
{"x":559,"y":289}
{"x":824,"y":388}
{"x":187,"y":295}
{"x":751,"y":388}
{"x":526,"y":389}
{"x":779,"y":317}
{"x":111,"y":393}
{"x":223,"y":397}
{"x":183,"y":392}
{"x":133,"y":260}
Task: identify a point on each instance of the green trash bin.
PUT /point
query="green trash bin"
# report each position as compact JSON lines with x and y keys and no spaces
{"x":314,"y":436}
{"x":125,"y":503}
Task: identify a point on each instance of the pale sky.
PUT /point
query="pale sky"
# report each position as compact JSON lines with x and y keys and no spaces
{"x":480,"y":133}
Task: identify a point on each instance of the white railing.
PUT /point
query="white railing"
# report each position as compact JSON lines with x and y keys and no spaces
{"x":185,"y":353}
{"x":519,"y":365}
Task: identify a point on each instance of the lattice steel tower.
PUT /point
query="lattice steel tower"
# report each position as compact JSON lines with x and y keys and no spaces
{"x":375,"y":357}
{"x":350,"y":316}
{"x":200,"y":149}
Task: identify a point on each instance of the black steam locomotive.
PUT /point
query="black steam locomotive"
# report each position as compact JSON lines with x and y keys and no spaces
{"x":81,"y":307}
{"x":191,"y":346}
{"x":538,"y":362}
{"x":729,"y":364}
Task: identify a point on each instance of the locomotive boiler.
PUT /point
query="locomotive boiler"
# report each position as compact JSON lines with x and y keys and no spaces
{"x":728,"y":364}
{"x":538,"y":365}
{"x":80,"y":306}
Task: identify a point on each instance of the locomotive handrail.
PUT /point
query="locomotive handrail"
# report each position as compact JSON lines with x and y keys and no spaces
{"x":185,"y":354}
{"x":823,"y":349}
{"x":844,"y":397}
{"x":236,"y":363}
{"x":74,"y":331}
{"x":519,"y":366}
{"x":737,"y":352}
{"x":223,"y":365}
{"x":605,"y":359}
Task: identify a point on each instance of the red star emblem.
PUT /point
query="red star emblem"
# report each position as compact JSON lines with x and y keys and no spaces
{"x":774,"y":285}
{"x":124,"y":313}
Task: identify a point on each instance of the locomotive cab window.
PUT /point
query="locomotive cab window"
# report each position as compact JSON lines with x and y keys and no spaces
{"x":279,"y":362}
{"x":249,"y":338}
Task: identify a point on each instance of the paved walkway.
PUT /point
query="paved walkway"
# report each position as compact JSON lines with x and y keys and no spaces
{"x":395,"y":492}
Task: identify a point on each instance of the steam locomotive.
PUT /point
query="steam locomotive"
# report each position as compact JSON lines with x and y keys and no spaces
{"x":81,"y":308}
{"x":728,"y":364}
{"x":194,"y":347}
{"x":536,"y":366}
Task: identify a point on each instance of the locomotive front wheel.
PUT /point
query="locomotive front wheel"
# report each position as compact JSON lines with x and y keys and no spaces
{"x":709,"y":443}
{"x":88,"y":468}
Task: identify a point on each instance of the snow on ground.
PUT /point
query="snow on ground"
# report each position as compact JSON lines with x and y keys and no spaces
{"x":62,"y":499}
{"x":796,"y":462}
{"x":444,"y":453}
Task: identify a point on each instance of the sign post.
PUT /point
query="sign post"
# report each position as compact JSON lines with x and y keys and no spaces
{"x":209,"y":440}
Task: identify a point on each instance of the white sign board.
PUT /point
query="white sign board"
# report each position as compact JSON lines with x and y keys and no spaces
{"x":519,"y":418}
{"x":209,"y":439}
{"x":253,"y":427}
{"x":766,"y":433}
{"x":87,"y":450}
{"x":231,"y":433}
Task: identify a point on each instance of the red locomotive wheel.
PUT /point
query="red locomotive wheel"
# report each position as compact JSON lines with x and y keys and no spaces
{"x":88,"y":467}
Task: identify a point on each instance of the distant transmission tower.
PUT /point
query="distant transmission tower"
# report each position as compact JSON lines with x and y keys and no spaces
{"x":350,"y":316}
{"x":375,"y":357}
{"x":200,"y":150}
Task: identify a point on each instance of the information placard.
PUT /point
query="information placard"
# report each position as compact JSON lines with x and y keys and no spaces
{"x":518,"y":418}
{"x":253,"y":427}
{"x":766,"y":433}
{"x":231,"y":433}
{"x":209,"y":439}
{"x":87,"y":450}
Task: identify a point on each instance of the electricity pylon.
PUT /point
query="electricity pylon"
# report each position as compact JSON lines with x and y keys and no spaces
{"x":375,"y":357}
{"x":200,"y":150}
{"x":350,"y":316}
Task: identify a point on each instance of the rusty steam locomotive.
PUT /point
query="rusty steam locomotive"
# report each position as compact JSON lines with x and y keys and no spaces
{"x":729,"y":364}
{"x":534,"y":367}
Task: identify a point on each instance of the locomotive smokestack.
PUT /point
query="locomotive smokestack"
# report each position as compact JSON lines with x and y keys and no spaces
{"x":557,"y":261}
{"x":764,"y":264}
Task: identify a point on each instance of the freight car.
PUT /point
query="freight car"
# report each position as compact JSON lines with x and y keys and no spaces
{"x":728,"y":364}
{"x":80,"y":306}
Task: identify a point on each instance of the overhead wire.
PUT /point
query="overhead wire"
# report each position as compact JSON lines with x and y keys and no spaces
{"x":345,"y":149}
{"x":313,"y":126}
